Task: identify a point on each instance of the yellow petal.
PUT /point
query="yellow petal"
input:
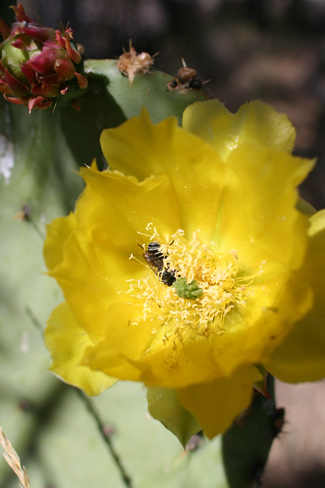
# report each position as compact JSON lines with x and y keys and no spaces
{"x":258,"y":217}
{"x":255,"y":122}
{"x":262,"y":326}
{"x":115,"y":209}
{"x":194,"y":168}
{"x":160,"y":368}
{"x":93,"y":264}
{"x":137,"y":351}
{"x":57,"y":233}
{"x":216,"y":404}
{"x":92,"y":278}
{"x":67,"y":343}
{"x":301,"y":356}
{"x":122,"y":343}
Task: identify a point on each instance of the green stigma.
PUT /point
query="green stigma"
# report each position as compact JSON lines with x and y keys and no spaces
{"x":191,"y":291}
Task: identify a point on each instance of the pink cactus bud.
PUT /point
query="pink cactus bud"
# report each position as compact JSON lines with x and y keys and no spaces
{"x":73,"y":53}
{"x":40,"y":34}
{"x":39,"y":102}
{"x":4,"y":88}
{"x":44,"y":62}
{"x":59,"y":38}
{"x":37,"y":64}
{"x":28,"y":71}
{"x":16,"y":86}
{"x":68,"y":33}
{"x":4,"y":29}
{"x":16,"y":100}
{"x":19,"y":43}
{"x":48,"y":87}
{"x":20,"y":13}
{"x":65,"y":69}
{"x":82,"y":81}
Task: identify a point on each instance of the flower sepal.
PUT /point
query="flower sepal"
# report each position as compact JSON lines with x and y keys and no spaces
{"x":261,"y":384}
{"x":164,"y":405}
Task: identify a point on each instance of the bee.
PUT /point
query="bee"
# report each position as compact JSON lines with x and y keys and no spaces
{"x":155,"y":259}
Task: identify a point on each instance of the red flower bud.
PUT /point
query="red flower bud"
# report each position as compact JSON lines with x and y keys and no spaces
{"x":37,"y":64}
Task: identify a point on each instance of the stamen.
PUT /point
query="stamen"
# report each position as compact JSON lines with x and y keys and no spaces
{"x":132,"y":256}
{"x":206,"y":290}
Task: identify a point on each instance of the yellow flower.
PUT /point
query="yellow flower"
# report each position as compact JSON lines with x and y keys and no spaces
{"x":189,"y":263}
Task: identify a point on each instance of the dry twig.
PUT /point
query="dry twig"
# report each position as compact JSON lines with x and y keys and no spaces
{"x":13,"y":460}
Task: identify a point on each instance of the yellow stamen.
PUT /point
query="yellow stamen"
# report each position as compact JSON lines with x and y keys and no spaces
{"x":185,"y":320}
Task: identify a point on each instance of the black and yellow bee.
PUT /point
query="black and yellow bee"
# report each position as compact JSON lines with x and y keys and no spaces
{"x":155,"y":259}
{"x":168,"y":276}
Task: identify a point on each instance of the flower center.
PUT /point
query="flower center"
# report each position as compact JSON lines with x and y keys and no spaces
{"x":212,"y":282}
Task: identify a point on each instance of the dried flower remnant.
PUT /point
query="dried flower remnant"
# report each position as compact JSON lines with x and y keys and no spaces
{"x":38,"y":64}
{"x":186,"y":79}
{"x":130,"y":63}
{"x":194,"y":443}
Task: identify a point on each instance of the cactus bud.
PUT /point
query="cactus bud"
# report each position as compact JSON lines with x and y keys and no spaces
{"x":38,"y":64}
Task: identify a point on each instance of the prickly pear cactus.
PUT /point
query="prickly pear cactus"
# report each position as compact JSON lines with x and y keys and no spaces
{"x":63,"y":438}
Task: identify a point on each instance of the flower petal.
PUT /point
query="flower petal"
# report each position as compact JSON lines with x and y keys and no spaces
{"x":67,"y":343}
{"x":216,"y":404}
{"x":57,"y":233}
{"x":258,"y":217}
{"x":92,"y":264}
{"x":138,"y":352}
{"x":255,"y":122}
{"x":194,"y":168}
{"x":114,"y":209}
{"x":301,"y":356}
{"x":92,"y":278}
{"x":122,"y":341}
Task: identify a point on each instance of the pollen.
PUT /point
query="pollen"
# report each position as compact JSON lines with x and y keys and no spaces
{"x":221,"y":287}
